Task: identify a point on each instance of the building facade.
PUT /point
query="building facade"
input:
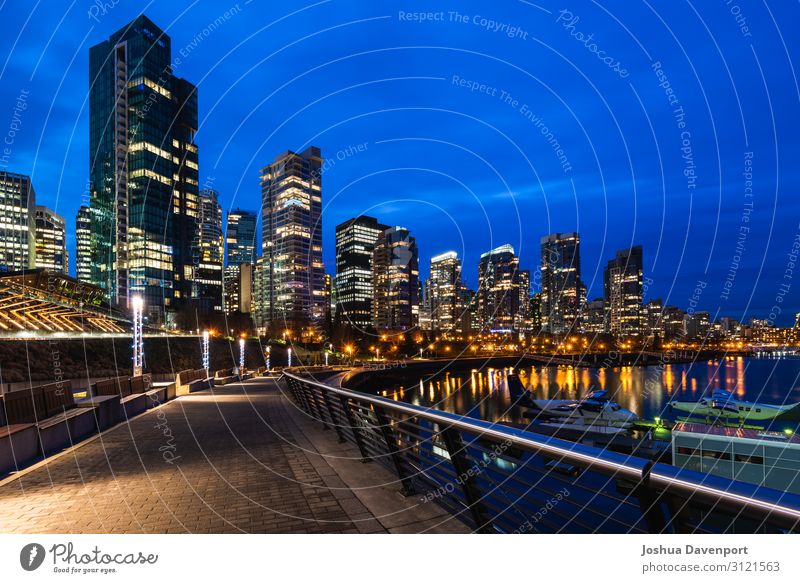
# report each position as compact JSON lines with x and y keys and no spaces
{"x":396,"y":287}
{"x":240,"y":258}
{"x":443,"y":293}
{"x":291,"y":223}
{"x":354,"y":283}
{"x":498,"y":289}
{"x":83,"y":245}
{"x":17,"y":222}
{"x":51,"y":241}
{"x":623,"y":292}
{"x":143,"y":170}
{"x":206,"y":282}
{"x":562,"y":289}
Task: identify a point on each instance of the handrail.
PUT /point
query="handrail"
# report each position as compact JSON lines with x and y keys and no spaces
{"x":742,"y":498}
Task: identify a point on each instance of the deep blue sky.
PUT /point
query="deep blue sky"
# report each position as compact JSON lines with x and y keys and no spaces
{"x":467,"y":170}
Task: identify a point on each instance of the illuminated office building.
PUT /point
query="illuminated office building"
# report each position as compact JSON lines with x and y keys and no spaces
{"x":291,"y":223}
{"x":498,"y":289}
{"x":443,"y":293}
{"x":563,"y":291}
{"x":355,"y":244}
{"x":17,"y":222}
{"x":206,"y":284}
{"x":623,"y":292}
{"x":51,"y":241}
{"x":143,"y":171}
{"x":83,"y":245}
{"x":396,"y":281}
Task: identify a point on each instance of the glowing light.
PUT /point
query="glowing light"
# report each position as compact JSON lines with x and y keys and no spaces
{"x":138,"y":342}
{"x":206,"y":360}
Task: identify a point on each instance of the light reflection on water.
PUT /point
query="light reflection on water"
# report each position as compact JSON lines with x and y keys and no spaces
{"x":644,"y":390}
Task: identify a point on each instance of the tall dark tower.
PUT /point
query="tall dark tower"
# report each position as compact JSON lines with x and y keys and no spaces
{"x":143,"y":170}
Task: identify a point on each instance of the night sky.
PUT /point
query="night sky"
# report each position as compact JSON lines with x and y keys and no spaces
{"x":497,"y":124}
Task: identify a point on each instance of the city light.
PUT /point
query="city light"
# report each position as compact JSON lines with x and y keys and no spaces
{"x":138,"y":342}
{"x":241,"y":355}
{"x":206,"y":360}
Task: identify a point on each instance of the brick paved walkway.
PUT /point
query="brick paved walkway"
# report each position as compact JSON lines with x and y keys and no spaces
{"x":240,"y":460}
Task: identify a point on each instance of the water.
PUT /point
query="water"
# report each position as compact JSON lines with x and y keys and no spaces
{"x":644,"y":390}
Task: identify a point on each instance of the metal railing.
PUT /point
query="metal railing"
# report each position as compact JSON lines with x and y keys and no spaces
{"x":501,"y":479}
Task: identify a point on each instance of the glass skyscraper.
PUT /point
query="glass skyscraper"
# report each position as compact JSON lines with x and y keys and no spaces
{"x":83,"y":245}
{"x":498,"y":289}
{"x":623,"y":292}
{"x":355,"y":243}
{"x":563,"y":291}
{"x":143,"y":170}
{"x":17,"y":222}
{"x":395,"y":263}
{"x":443,"y":291}
{"x":51,"y":241}
{"x":291,"y":241}
{"x":240,"y":258}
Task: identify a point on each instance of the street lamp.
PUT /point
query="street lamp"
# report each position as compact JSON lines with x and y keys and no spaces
{"x":241,"y":355}
{"x":268,"y":352}
{"x":138,"y":343}
{"x":206,"y":360}
{"x":289,"y":352}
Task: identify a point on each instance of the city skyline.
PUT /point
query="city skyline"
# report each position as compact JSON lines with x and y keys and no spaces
{"x":672,"y":260}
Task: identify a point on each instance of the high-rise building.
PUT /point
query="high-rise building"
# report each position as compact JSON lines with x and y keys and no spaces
{"x":469,"y":317}
{"x":673,"y":322}
{"x":522,"y":320}
{"x":536,"y":312}
{"x":395,"y":263}
{"x":51,"y":240}
{"x":623,"y":292}
{"x":143,"y":170}
{"x":240,"y":237}
{"x":206,"y":290}
{"x":17,"y":222}
{"x":291,"y":227}
{"x":653,"y":319}
{"x":83,"y":245}
{"x":355,"y":244}
{"x":498,"y":289}
{"x":563,"y":292}
{"x":240,"y":257}
{"x":260,"y":296}
{"x":444,"y":291}
{"x":594,"y":318}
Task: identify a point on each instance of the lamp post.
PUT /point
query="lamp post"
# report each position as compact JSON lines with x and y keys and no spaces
{"x":268,"y":352}
{"x":206,"y":360}
{"x":138,"y":343}
{"x":241,"y":355}
{"x":289,"y":352}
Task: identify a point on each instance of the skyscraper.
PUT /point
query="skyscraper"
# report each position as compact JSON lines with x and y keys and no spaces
{"x":396,"y":281}
{"x":444,"y":289}
{"x":51,"y":241}
{"x":17,"y":222}
{"x":291,"y":223}
{"x":623,"y":292}
{"x":562,"y":289}
{"x":355,"y":244}
{"x":240,"y":258}
{"x":206,"y":290}
{"x":143,"y":170}
{"x":240,"y":237}
{"x":522,"y":319}
{"x":83,"y":245}
{"x":498,"y":289}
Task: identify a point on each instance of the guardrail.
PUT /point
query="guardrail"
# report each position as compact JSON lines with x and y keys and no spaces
{"x":501,"y":479}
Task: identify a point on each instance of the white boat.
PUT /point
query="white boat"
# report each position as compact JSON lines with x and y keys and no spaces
{"x":595,"y":409}
{"x":723,"y":404}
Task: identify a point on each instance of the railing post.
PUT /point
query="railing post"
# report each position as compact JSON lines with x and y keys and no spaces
{"x":650,"y":505}
{"x":355,"y":429}
{"x":458,"y":457}
{"x":334,"y":419}
{"x":394,"y":452}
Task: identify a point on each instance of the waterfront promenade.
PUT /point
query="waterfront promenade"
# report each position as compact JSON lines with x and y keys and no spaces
{"x":237,"y":459}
